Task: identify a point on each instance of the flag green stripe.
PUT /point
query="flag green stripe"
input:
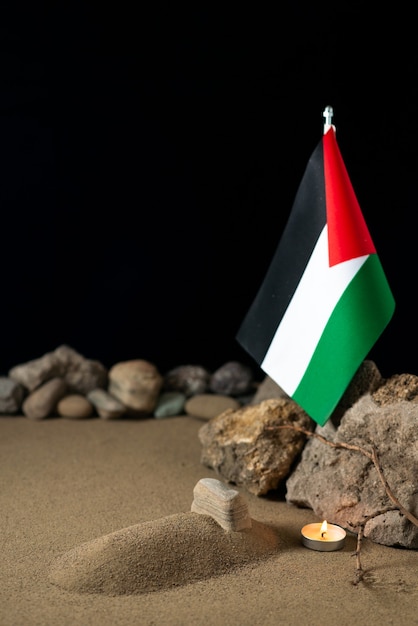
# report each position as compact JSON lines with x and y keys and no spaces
{"x":359,"y":318}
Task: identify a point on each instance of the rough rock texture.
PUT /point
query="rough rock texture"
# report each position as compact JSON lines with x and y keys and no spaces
{"x":80,"y":374}
{"x":398,"y":387}
{"x":367,"y":379}
{"x":343,"y":486}
{"x":246,"y":447}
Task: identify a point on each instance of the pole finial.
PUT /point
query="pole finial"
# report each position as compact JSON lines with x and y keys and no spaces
{"x":328,"y":115}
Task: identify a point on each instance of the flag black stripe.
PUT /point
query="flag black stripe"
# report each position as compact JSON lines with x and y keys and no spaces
{"x":306,"y":222}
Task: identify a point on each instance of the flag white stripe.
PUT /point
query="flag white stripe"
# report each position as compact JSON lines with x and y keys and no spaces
{"x":303,"y":323}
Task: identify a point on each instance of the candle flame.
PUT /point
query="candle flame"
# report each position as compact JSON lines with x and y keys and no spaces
{"x":324,"y":527}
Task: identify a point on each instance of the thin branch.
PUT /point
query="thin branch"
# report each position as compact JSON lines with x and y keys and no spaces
{"x":359,"y":575}
{"x":370,"y":455}
{"x":373,"y":456}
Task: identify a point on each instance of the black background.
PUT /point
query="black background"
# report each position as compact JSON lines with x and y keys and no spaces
{"x":150,"y":158}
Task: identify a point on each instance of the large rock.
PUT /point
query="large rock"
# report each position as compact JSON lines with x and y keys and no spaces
{"x":343,"y":486}
{"x":137,"y":385}
{"x":80,"y":374}
{"x":11,"y":395}
{"x":42,"y":402}
{"x":248,"y":449}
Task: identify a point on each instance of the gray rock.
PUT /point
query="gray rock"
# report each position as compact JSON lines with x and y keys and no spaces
{"x":107,"y":406}
{"x":343,"y":486}
{"x":267,"y":390}
{"x":225,"y":505}
{"x":248,"y":449}
{"x":42,"y":402}
{"x":12,"y":394}
{"x":189,"y":379}
{"x":232,"y":379}
{"x":170,"y":404}
{"x":33,"y":374}
{"x":80,"y":374}
{"x":367,"y":379}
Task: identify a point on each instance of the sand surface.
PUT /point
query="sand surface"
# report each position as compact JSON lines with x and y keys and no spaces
{"x":96,"y":530}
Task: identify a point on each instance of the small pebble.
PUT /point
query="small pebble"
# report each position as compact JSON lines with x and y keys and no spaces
{"x":75,"y":406}
{"x":170,"y":404}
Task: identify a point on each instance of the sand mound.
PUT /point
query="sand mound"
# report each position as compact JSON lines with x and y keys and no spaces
{"x":156,"y":555}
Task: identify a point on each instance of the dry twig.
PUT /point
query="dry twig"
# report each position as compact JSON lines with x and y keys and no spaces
{"x":373,"y":456}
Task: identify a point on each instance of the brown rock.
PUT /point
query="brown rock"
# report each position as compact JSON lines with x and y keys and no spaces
{"x":75,"y":406}
{"x":225,"y":505}
{"x":43,"y":401}
{"x":137,"y":385}
{"x":248,"y":448}
{"x":397,"y":388}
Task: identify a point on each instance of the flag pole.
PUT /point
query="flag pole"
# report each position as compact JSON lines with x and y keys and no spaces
{"x":328,"y":115}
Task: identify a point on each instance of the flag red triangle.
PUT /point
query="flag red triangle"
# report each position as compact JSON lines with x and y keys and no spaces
{"x":348,"y":235}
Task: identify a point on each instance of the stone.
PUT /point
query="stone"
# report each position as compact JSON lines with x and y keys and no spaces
{"x":107,"y":406}
{"x":137,"y":384}
{"x":34,"y":373}
{"x":397,"y":387}
{"x":208,"y":405}
{"x":42,"y":402}
{"x":232,"y":379}
{"x":170,"y":404}
{"x":247,"y":447}
{"x":343,"y":486}
{"x":80,"y":374}
{"x":12,"y":394}
{"x":267,"y":390}
{"x":367,"y":379}
{"x":225,"y":505}
{"x":189,"y":379}
{"x":75,"y":406}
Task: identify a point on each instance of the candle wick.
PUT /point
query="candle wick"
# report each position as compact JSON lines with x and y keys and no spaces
{"x":323,"y":533}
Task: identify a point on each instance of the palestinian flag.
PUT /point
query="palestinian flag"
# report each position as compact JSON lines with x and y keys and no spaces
{"x":325,"y":299}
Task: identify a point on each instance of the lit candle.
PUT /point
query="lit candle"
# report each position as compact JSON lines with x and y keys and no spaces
{"x":324,"y":537}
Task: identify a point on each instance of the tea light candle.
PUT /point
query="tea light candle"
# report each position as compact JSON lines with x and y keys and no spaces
{"x":324,"y":537}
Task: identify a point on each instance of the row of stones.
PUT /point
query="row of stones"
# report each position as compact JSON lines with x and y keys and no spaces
{"x":64,"y":383}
